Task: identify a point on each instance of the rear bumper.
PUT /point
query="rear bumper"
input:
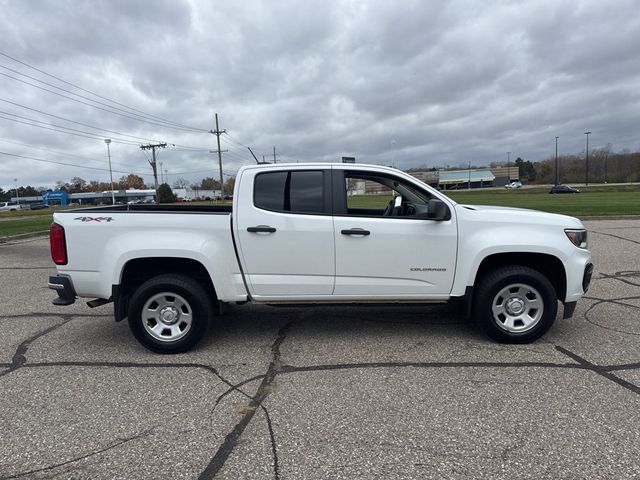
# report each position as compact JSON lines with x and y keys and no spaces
{"x":64,"y":287}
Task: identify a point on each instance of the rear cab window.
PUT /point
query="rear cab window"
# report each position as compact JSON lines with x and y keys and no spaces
{"x":294,"y":191}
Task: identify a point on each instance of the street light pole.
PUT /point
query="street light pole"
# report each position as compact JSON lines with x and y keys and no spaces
{"x":469,"y":186}
{"x":17,"y":194}
{"x":508,"y":164}
{"x":113,"y":195}
{"x":587,"y":160}
{"x":393,"y":154}
{"x":557,"y":160}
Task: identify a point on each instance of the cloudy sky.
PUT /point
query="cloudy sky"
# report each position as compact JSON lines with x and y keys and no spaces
{"x":421,"y":83}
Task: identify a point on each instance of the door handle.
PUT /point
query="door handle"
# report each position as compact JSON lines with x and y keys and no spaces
{"x":356,"y":231}
{"x":261,"y":229}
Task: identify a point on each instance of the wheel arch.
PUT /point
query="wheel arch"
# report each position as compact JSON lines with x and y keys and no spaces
{"x":548,"y":265}
{"x":138,"y":270}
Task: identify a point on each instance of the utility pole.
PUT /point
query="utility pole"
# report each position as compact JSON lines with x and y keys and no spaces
{"x":113,"y":197}
{"x":274,"y":155}
{"x":217,"y":133}
{"x":152,"y":162}
{"x":508,"y":164}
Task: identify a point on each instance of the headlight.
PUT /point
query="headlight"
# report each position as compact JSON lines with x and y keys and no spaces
{"x":577,"y":237}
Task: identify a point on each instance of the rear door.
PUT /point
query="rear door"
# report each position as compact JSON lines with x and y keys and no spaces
{"x":284,"y":230}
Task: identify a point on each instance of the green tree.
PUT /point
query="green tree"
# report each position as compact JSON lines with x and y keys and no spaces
{"x":527,"y":171}
{"x":210,"y":184}
{"x":165,"y":194}
{"x":131,"y":181}
{"x":229,"y":184}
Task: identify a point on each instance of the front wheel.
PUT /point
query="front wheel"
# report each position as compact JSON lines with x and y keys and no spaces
{"x":515,"y":304}
{"x":169,"y":313}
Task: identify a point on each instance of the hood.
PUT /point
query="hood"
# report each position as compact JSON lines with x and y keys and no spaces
{"x":516,"y":215}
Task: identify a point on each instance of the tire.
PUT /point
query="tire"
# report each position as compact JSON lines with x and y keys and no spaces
{"x":169,"y":313}
{"x":515,"y":304}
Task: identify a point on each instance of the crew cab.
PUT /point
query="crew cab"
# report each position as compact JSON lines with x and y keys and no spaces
{"x":314,"y":234}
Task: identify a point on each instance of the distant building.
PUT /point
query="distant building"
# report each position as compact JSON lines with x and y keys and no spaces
{"x":474,"y":178}
{"x":504,"y":176}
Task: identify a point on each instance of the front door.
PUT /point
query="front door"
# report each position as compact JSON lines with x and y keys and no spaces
{"x":386,"y":248}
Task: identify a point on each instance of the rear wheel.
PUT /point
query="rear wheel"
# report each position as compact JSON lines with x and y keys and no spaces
{"x":169,"y":313}
{"x":515,"y":304}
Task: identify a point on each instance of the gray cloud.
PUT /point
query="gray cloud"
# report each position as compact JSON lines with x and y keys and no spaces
{"x":449,"y":82}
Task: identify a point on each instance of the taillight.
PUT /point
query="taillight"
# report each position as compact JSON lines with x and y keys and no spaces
{"x":58,"y":245}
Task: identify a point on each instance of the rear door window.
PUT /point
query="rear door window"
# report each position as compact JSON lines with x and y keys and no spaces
{"x":290,"y":192}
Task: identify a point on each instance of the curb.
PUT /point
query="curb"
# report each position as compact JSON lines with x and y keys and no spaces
{"x":610,"y":217}
{"x":24,"y":236}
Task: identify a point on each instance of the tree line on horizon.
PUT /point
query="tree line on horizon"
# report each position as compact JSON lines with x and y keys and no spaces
{"x":605,"y":166}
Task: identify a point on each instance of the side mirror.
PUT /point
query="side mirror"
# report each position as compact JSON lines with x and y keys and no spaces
{"x":437,"y":210}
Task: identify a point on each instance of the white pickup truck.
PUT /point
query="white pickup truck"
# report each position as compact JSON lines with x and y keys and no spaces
{"x":319,"y":233}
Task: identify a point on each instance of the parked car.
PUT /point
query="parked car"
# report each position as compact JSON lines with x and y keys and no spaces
{"x":9,"y":207}
{"x":516,"y":184}
{"x":563,"y":189}
{"x":296,"y":237}
{"x":38,"y":206}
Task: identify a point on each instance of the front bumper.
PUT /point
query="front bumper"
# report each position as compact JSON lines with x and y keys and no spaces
{"x":586,"y":278}
{"x":64,"y":287}
{"x":569,"y":307}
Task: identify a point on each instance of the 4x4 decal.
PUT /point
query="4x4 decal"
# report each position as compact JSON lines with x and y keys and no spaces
{"x":94,"y":219}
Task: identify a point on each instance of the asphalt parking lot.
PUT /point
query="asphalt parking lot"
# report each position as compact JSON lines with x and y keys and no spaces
{"x":330,"y":392}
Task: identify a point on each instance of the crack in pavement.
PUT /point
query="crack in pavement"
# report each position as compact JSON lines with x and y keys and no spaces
{"x":232,"y":438}
{"x":85,"y":456}
{"x":599,"y":370}
{"x":19,"y":361}
{"x":19,"y":357}
{"x":620,"y":276}
{"x":276,"y":368}
{"x":615,"y":236}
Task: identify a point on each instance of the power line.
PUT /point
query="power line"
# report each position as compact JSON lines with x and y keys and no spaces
{"x":73,"y":121}
{"x":63,"y":163}
{"x":57,"y":126}
{"x":232,"y":139}
{"x":55,"y":152}
{"x":91,"y":136}
{"x":97,"y":107}
{"x":96,"y":95}
{"x":126,"y":172}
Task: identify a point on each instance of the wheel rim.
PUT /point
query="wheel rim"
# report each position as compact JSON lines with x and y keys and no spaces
{"x":517,"y":308}
{"x":167,"y":317}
